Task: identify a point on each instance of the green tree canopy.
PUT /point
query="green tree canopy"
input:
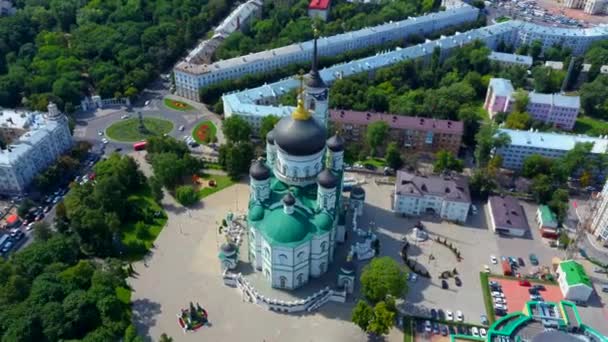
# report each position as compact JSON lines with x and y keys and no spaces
{"x":236,"y":129}
{"x":518,"y":120}
{"x":375,"y":135}
{"x":268,"y":123}
{"x":446,"y":161}
{"x":488,"y":138}
{"x":393,"y":156}
{"x":383,"y":277}
{"x":186,"y":195}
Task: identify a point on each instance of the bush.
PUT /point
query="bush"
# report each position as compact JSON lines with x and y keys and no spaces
{"x":141,"y":230}
{"x":186,"y":195}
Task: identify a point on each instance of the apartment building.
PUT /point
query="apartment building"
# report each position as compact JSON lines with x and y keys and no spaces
{"x":445,"y":195}
{"x":410,"y":133}
{"x":510,"y":59}
{"x":551,"y":145}
{"x":34,"y":141}
{"x":499,"y":97}
{"x":599,"y":225}
{"x":319,"y":9}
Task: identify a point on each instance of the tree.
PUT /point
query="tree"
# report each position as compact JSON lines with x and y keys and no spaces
{"x":393,"y":156}
{"x":375,"y":136}
{"x":165,"y":338}
{"x":481,"y":184}
{"x":236,"y":158}
{"x":445,"y":161}
{"x":518,"y":120}
{"x":559,"y":204}
{"x":236,"y":129}
{"x":186,"y":195}
{"x":42,"y":231}
{"x":542,"y":188}
{"x":535,"y":165}
{"x":383,"y":319}
{"x":488,"y":138}
{"x":470,"y":117}
{"x":382,"y":277}
{"x":25,"y":207}
{"x":156,"y":189}
{"x":268,"y":123}
{"x":362,"y":315}
{"x":169,"y":168}
{"x":547,"y":80}
{"x":521,"y":100}
{"x":536,"y":48}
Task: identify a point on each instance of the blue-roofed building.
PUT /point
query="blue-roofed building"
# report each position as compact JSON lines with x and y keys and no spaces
{"x":34,"y":141}
{"x":551,"y":145}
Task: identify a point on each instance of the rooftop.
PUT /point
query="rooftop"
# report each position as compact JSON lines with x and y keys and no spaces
{"x":501,"y":86}
{"x":510,"y":58}
{"x":554,"y":141}
{"x":396,"y":121}
{"x":507,"y":212}
{"x":555,"y":100}
{"x":547,"y":215}
{"x":575,"y":273}
{"x":452,"y":187}
{"x":319,"y":4}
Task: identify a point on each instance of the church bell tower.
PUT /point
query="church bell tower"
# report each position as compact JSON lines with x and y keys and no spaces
{"x":316,"y":93}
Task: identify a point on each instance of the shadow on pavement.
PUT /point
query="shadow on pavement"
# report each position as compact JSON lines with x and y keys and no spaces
{"x":145,"y":313}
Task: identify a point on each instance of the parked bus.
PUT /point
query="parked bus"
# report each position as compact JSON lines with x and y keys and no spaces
{"x":138,"y":146}
{"x":506,"y":268}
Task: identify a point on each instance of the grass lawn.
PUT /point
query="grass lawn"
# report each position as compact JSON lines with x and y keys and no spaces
{"x":137,"y":246}
{"x":221,"y":181}
{"x":408,"y":329}
{"x":212,"y":166}
{"x":128,"y":130}
{"x":377,"y":162}
{"x":502,"y":19}
{"x":590,"y":126}
{"x":204,"y":132}
{"x":487,"y":298}
{"x":177,"y":105}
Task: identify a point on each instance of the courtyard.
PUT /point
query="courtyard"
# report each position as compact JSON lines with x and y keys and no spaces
{"x":183,"y":267}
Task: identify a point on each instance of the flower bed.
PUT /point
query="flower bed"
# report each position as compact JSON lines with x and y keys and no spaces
{"x":204,"y":132}
{"x":193,"y":318}
{"x":177,"y":105}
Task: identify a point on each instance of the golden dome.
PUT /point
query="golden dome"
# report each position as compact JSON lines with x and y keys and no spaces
{"x":300,"y":113}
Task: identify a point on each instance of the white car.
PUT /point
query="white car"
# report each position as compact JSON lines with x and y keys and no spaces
{"x":104,"y":141}
{"x":486,"y":268}
{"x":29,"y":226}
{"x":498,"y":300}
{"x":459,"y":316}
{"x":147,"y":103}
{"x":427,"y":326}
{"x":126,"y":116}
{"x":498,"y":294}
{"x":181,"y":128}
{"x":500,"y":306}
{"x":414,"y":277}
{"x":493,"y":259}
{"x":482,"y":332}
{"x":475,"y":331}
{"x":449,"y":316}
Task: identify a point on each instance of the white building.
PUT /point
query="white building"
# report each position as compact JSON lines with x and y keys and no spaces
{"x":551,"y":145}
{"x":599,"y":225}
{"x":253,"y":104}
{"x":510,"y":59}
{"x":573,"y":281}
{"x":507,"y":216}
{"x":34,"y":141}
{"x":446,"y":196}
{"x":589,"y":6}
{"x":190,"y":77}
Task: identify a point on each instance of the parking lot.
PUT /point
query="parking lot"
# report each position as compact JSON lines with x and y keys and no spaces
{"x":477,"y":244}
{"x":514,"y":296}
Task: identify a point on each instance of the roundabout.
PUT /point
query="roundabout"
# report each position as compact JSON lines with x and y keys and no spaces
{"x":130,"y":130}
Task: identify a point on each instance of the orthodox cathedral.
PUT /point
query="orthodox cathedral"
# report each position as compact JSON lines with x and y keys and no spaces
{"x":295,"y":193}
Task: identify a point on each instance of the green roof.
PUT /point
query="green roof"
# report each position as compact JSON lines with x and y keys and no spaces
{"x":282,"y":228}
{"x":575,"y":273}
{"x":256,"y":213}
{"x":546,"y":215}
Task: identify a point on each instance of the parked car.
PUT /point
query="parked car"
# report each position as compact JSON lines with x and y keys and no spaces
{"x":484,"y":319}
{"x":7,"y":247}
{"x":533,"y":291}
{"x":427,"y":326}
{"x":493,"y":283}
{"x":449,"y":316}
{"x":433,"y":314}
{"x":497,"y":294}
{"x":521,"y":262}
{"x":459,"y":316}
{"x":600,"y":270}
{"x":500,"y":306}
{"x":493,"y":259}
{"x":604,"y":288}
{"x":29,"y":226}
{"x":524,"y":282}
{"x":475,"y":331}
{"x":458,"y":281}
{"x":414,"y":277}
{"x":500,"y":312}
{"x":444,"y":284}
{"x":482,"y":332}
{"x":539,"y":287}
{"x":440,"y":315}
{"x":533,"y":260}
{"x":498,"y":300}
{"x":460,"y":329}
{"x":444,"y":330}
{"x":181,"y":128}
{"x":486,"y":268}
{"x":435,"y":328}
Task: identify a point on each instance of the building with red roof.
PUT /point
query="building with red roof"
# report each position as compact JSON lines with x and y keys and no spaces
{"x":319,"y":8}
{"x":411,"y":133}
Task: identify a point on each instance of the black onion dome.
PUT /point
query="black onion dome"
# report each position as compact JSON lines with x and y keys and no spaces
{"x":270,"y":137}
{"x":289,"y":199}
{"x":228,"y":248}
{"x":357,"y":191}
{"x":348,"y":266}
{"x":335,"y":143}
{"x":314,"y":80}
{"x":300,"y":137}
{"x":327,"y":179}
{"x":259,"y":170}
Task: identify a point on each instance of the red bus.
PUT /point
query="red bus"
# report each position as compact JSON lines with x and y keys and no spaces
{"x":506,"y":268}
{"x":138,"y":146}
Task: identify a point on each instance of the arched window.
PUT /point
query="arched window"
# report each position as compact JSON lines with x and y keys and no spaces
{"x":283,"y":282}
{"x":266,"y":253}
{"x":323,"y":246}
{"x":300,"y":256}
{"x":300,"y":279}
{"x":282,"y":259}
